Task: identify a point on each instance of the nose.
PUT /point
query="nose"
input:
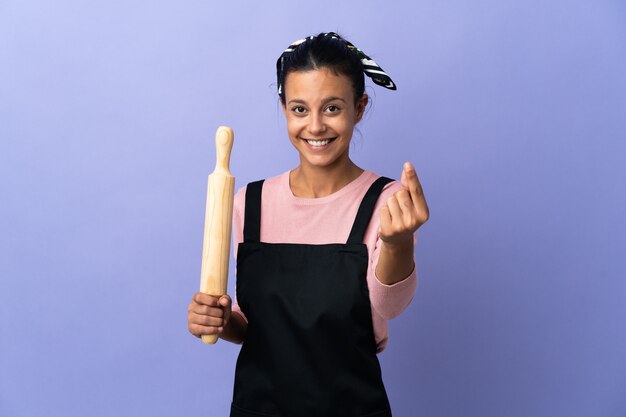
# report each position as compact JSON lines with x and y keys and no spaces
{"x":316,"y":124}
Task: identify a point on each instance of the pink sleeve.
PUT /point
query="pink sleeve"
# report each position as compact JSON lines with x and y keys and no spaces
{"x":238,"y":215}
{"x":388,"y":300}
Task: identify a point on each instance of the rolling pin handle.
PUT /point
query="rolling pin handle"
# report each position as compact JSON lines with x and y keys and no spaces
{"x":223,"y":145}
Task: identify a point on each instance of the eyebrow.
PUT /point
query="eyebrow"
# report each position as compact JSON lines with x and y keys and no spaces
{"x":324,"y":101}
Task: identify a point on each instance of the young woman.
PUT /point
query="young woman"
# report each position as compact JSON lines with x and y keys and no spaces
{"x":324,"y":253}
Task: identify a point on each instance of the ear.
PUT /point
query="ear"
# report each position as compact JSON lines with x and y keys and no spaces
{"x":360,"y":108}
{"x":283,"y":106}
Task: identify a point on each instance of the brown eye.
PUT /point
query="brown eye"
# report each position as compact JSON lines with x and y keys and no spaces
{"x":298,"y":109}
{"x":332,"y":108}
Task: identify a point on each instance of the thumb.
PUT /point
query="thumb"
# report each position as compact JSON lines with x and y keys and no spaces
{"x":404,"y":179}
{"x":225,"y":300}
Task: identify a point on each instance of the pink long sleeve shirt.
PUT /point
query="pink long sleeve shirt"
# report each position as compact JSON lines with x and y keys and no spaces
{"x":289,"y":219}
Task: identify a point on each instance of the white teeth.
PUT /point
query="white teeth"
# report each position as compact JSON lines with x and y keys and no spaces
{"x":318,"y":143}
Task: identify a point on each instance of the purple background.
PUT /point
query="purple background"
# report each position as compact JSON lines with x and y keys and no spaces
{"x":514,"y":113}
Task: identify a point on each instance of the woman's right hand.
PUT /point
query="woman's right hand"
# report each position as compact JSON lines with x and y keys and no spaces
{"x":207,"y":314}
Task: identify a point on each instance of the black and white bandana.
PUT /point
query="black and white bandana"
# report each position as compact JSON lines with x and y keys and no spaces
{"x":370,"y":67}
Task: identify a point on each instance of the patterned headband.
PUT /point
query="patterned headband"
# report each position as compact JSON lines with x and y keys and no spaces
{"x":370,"y":68}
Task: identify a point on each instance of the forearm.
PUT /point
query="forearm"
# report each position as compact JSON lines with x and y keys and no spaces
{"x":235,"y":330}
{"x":395,"y":262}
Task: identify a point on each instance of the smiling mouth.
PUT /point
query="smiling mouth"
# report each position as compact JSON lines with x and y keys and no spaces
{"x":319,"y":143}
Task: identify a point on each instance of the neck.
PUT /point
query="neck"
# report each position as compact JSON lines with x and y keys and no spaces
{"x":314,"y":182}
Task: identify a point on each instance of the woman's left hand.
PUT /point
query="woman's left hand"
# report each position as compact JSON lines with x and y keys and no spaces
{"x":405,"y":211}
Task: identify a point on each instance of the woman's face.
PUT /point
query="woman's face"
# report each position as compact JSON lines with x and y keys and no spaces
{"x":321,"y":115}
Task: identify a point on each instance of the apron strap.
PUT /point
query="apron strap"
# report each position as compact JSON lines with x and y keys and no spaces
{"x":366,"y":209}
{"x":252,"y":216}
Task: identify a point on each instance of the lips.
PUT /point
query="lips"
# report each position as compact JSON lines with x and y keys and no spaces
{"x":318,"y":143}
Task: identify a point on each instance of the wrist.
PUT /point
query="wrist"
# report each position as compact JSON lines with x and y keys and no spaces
{"x":398,"y":247}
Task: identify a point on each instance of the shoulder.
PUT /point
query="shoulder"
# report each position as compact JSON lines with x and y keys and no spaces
{"x":271,"y":184}
{"x":389,"y":189}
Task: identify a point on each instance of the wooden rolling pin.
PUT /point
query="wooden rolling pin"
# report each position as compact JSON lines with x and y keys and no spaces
{"x":217,"y":222}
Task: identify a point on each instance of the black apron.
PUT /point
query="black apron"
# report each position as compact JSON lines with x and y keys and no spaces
{"x":309,"y":350}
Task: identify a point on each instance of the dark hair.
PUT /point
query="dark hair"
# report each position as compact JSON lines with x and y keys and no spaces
{"x":322,"y":51}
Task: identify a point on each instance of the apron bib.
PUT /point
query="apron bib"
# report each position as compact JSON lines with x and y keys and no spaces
{"x":310,"y":349}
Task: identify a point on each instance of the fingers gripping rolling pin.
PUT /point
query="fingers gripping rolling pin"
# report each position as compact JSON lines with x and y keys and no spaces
{"x":217,"y":222}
